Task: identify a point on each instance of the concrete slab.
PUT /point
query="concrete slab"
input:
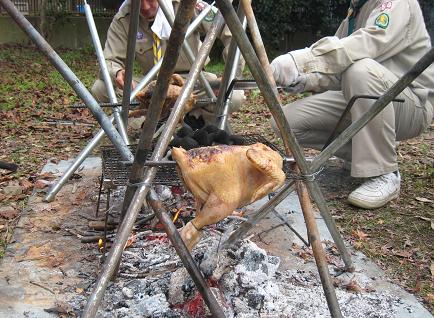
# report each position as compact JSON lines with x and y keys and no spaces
{"x":43,"y":263}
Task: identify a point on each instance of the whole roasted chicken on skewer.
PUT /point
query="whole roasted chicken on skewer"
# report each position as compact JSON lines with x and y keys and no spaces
{"x":223,"y":178}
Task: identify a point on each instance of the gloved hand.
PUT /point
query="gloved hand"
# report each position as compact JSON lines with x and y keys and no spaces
{"x":285,"y":71}
{"x":298,"y":86}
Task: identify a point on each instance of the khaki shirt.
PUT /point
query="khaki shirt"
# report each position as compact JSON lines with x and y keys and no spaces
{"x":115,"y":50}
{"x":391,"y":32}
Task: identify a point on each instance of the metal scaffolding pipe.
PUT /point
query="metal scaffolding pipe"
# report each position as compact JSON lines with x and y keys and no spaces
{"x":104,"y":71}
{"x":317,"y":249}
{"x":185,"y":255}
{"x":183,"y":16}
{"x":188,"y":51}
{"x":271,"y":98}
{"x":70,"y":77}
{"x":95,"y":140}
{"x":129,"y":63}
{"x":229,"y":74}
{"x":257,"y":39}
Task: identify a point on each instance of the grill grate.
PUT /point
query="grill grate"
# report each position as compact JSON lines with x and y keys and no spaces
{"x":114,"y":170}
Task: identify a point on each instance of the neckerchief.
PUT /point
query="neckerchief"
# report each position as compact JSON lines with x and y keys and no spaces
{"x":355,"y":6}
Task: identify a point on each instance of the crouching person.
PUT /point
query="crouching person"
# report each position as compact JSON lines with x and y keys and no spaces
{"x":151,"y":42}
{"x":375,"y":45}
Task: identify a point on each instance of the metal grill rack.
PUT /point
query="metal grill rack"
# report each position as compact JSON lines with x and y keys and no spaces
{"x":116,"y":174}
{"x":114,"y":171}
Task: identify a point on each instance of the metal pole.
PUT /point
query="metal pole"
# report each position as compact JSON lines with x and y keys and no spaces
{"x":257,"y":39}
{"x":271,"y":98}
{"x":183,"y":16}
{"x":104,"y":71}
{"x":188,"y":51}
{"x":185,"y":255}
{"x":229,"y":75}
{"x":129,"y":64}
{"x":317,"y":248}
{"x":70,"y":77}
{"x":95,"y":140}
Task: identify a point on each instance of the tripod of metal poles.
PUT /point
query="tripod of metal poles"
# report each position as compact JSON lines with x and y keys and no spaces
{"x":141,"y":177}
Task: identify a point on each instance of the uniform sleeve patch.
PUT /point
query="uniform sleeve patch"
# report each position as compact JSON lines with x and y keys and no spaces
{"x":385,"y":5}
{"x":382,"y":20}
{"x":210,"y":16}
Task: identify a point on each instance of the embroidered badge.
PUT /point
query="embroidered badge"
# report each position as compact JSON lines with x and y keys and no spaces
{"x":139,"y":35}
{"x":200,"y":6}
{"x":386,"y":5}
{"x":382,"y":21}
{"x":210,"y":16}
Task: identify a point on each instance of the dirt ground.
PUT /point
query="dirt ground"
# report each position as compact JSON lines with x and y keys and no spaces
{"x":38,"y":125}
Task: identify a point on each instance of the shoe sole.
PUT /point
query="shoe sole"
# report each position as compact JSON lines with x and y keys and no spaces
{"x":371,"y":205}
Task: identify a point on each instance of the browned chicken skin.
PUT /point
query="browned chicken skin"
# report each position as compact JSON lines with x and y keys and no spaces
{"x":223,"y":178}
{"x":175,"y":87}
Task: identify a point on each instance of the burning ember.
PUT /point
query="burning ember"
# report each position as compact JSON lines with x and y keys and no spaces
{"x":246,"y":281}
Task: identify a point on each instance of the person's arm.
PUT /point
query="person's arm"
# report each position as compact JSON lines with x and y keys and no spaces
{"x":385,"y":35}
{"x":115,"y":49}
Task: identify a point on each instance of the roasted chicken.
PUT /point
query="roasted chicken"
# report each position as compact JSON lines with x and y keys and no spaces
{"x":223,"y":178}
{"x":175,"y":87}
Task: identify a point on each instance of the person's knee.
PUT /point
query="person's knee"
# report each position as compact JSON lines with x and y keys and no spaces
{"x":360,"y":76}
{"x":99,"y":91}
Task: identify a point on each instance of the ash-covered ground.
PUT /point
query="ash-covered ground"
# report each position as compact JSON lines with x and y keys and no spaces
{"x":245,"y":280}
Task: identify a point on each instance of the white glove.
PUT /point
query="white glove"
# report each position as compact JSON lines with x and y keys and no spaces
{"x":285,"y":71}
{"x":298,"y":86}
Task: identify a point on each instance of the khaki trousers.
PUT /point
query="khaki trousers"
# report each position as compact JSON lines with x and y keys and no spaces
{"x":372,"y":150}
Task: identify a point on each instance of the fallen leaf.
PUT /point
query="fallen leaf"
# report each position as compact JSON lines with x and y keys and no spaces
{"x":429,"y":298}
{"x":79,"y":290}
{"x":424,"y":200}
{"x":41,"y":184}
{"x":403,"y":254}
{"x":353,"y":286}
{"x":360,"y":235}
{"x":432,"y":269}
{"x":386,"y":248}
{"x":8,"y":213}
{"x":81,"y":195}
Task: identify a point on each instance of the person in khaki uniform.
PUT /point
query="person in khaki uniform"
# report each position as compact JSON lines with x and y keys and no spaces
{"x":115,"y":49}
{"x":378,"y":42}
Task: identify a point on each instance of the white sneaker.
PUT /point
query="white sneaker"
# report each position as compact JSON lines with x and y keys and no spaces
{"x":377,"y":191}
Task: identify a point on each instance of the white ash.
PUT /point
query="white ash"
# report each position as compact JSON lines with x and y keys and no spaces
{"x":247,"y":279}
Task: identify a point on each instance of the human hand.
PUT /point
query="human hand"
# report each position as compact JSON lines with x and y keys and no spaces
{"x":285,"y":71}
{"x":298,"y":86}
{"x":120,"y":80}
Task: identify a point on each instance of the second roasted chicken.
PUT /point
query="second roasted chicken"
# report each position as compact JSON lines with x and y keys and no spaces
{"x":176,"y":83}
{"x":223,"y":178}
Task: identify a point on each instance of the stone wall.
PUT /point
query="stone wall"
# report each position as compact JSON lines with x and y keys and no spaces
{"x":68,"y":32}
